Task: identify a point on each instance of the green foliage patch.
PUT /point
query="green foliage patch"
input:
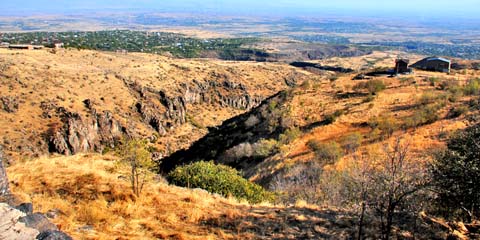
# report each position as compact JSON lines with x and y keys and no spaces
{"x":219,"y":179}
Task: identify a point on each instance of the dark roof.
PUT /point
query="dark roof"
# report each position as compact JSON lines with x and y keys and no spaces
{"x":403,"y":60}
{"x":438,"y":59}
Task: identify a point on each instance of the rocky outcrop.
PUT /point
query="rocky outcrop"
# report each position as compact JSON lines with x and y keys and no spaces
{"x":78,"y":134}
{"x":20,"y":222}
{"x":4,"y":189}
{"x":9,"y":104}
{"x":164,"y":111}
{"x":224,"y":93}
{"x":15,"y":224}
{"x":11,"y":227}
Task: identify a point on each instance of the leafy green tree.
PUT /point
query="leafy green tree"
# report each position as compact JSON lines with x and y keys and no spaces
{"x":456,"y":175}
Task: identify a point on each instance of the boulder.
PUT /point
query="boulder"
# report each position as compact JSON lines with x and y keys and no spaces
{"x":53,"y":235}
{"x":39,"y":222}
{"x":11,"y":228}
{"x":27,"y":208}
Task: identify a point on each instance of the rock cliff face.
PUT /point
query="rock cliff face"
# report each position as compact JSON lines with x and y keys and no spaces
{"x":164,"y":111}
{"x":224,"y":93}
{"x":265,"y":121}
{"x":80,"y":134}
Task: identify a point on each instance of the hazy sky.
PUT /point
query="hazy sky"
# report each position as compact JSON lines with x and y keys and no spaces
{"x":467,"y":8}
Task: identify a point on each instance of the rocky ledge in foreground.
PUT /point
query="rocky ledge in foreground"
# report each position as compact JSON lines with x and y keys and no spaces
{"x":20,"y":222}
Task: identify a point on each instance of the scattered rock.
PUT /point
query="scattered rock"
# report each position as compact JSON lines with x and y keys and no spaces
{"x":27,"y":208}
{"x":88,"y":103}
{"x":38,"y":221}
{"x":53,"y":235}
{"x":53,"y":213}
{"x":86,"y":228}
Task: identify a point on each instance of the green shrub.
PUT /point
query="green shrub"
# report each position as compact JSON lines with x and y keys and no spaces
{"x":326,"y":152}
{"x":219,"y":179}
{"x":265,"y":148}
{"x":432,"y":97}
{"x":423,"y":115}
{"x":372,"y":86}
{"x":331,"y":118}
{"x":433,"y":81}
{"x":457,"y":111}
{"x":386,"y":124}
{"x":472,"y":87}
{"x":289,"y":135}
{"x":352,"y":141}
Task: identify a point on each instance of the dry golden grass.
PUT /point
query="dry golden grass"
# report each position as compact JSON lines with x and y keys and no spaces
{"x":88,"y":190}
{"x":94,"y":201}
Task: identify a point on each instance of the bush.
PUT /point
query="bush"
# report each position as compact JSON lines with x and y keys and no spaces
{"x":473,"y":87}
{"x":289,"y":135}
{"x":386,"y":124}
{"x":329,"y":119}
{"x":299,"y":181}
{"x":219,"y":179}
{"x":423,"y":115}
{"x":433,"y":81}
{"x":432,"y":97}
{"x":265,"y":148}
{"x":372,"y":86}
{"x":457,"y":111}
{"x":327,"y":153}
{"x":456,"y":174}
{"x":352,"y":141}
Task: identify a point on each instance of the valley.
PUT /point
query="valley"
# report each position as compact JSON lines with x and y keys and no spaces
{"x":66,"y":111}
{"x":239,"y":120}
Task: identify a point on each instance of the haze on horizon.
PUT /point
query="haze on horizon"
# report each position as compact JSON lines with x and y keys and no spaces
{"x":286,"y":8}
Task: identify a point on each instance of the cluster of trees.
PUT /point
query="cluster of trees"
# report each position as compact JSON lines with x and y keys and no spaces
{"x":136,"y":41}
{"x":469,"y":51}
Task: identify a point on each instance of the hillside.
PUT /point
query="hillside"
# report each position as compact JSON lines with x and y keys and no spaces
{"x":294,"y":131}
{"x":71,"y":101}
{"x":330,"y":110}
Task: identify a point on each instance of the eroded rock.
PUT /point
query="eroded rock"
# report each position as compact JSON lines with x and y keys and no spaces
{"x":79,"y":134}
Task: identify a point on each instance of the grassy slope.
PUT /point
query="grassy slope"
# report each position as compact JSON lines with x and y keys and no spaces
{"x":90,"y":190}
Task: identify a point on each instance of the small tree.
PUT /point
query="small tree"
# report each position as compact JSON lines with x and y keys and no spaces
{"x":379,"y":184}
{"x":395,"y":179}
{"x":135,"y":154}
